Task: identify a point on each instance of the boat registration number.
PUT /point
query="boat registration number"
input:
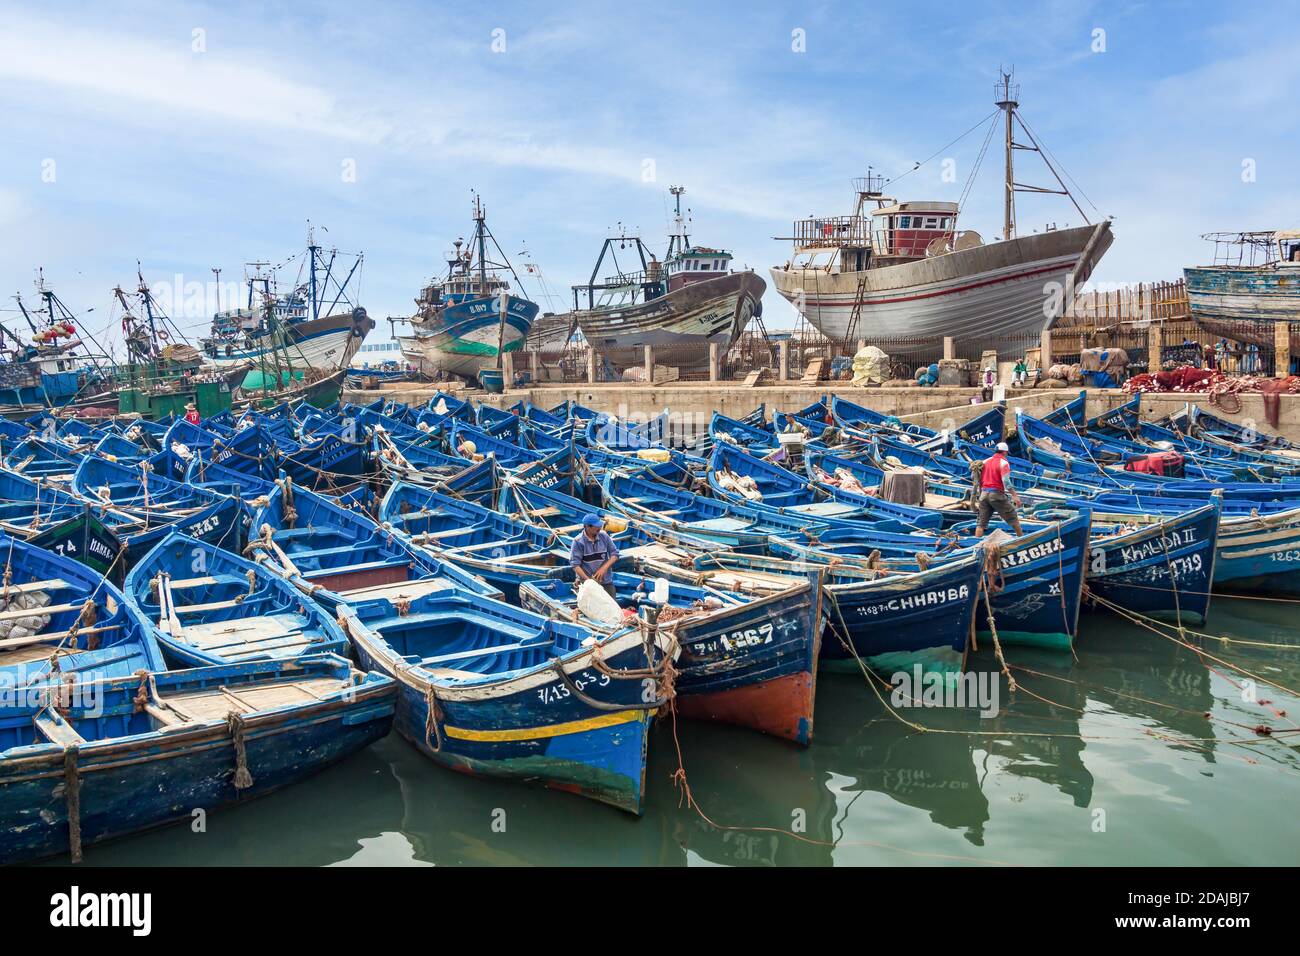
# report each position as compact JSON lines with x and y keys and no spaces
{"x":750,"y":637}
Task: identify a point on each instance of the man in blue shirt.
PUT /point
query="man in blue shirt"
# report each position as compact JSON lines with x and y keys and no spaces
{"x":593,"y":554}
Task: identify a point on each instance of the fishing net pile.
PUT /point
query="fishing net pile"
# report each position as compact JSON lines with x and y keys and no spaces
{"x":24,"y":626}
{"x":1190,"y":379}
{"x":739,"y":484}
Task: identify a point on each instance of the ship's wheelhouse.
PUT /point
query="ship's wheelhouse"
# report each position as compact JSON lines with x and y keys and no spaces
{"x":696,"y":264}
{"x":906,"y":230}
{"x":1288,"y":246}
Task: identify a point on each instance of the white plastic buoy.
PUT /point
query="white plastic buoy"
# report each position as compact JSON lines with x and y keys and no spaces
{"x":660,"y":593}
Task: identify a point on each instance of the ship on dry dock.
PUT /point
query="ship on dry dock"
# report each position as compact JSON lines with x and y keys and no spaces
{"x":902,"y":269}
{"x":1253,"y":285}
{"x":678,"y":306}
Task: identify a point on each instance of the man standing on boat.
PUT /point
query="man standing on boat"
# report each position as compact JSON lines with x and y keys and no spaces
{"x":996,"y":494}
{"x":593,"y":554}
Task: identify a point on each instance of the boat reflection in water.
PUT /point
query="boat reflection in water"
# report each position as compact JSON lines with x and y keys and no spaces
{"x":1104,"y":732}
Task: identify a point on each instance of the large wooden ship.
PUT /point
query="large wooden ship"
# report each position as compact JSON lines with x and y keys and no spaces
{"x":466,"y":320}
{"x":678,"y":306}
{"x":318,"y":320}
{"x":903,"y":271}
{"x":1253,"y":286}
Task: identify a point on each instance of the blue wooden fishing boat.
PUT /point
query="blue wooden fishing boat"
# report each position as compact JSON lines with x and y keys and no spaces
{"x":547,"y":469}
{"x":1194,"y":420}
{"x":735,"y":432}
{"x":741,"y":478}
{"x":208,"y":606}
{"x":136,"y":489}
{"x":129,"y":753}
{"x":37,"y":458}
{"x":618,"y":435}
{"x":320,"y":463}
{"x":221,"y":523}
{"x":670,"y":466}
{"x":686,"y":514}
{"x":1162,"y":565}
{"x":493,"y":690}
{"x":888,"y":621}
{"x":1259,"y":554}
{"x":1035,"y":588}
{"x":744,"y":660}
{"x":986,"y":428}
{"x":60,"y":620}
{"x":502,"y":550}
{"x":30,"y":505}
{"x":337,"y":555}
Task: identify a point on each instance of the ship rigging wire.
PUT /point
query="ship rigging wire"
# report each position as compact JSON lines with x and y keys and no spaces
{"x":942,"y":149}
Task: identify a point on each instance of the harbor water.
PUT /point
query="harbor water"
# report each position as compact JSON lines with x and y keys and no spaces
{"x":1140,"y":752}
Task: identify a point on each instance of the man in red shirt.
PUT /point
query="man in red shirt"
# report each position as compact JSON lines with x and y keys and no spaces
{"x":997,"y":494}
{"x":191,"y":413}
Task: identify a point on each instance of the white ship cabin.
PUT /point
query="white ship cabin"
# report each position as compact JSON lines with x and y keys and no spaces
{"x":893,"y":233}
{"x":696,"y":264}
{"x":376,"y":353}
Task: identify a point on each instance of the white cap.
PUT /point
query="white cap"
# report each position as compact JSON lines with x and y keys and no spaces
{"x":1002,"y":446}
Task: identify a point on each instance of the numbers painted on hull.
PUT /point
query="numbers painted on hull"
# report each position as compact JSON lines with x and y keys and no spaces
{"x":552,"y":693}
{"x":750,"y":637}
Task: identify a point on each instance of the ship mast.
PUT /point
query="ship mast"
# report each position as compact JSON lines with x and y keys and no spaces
{"x":481,"y":239}
{"x":1007,"y":92}
{"x":679,"y":241}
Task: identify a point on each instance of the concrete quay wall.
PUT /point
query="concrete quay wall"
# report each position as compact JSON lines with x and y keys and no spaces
{"x":691,"y":405}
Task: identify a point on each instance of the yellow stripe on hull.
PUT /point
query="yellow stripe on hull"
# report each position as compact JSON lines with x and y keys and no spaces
{"x":552,"y":730}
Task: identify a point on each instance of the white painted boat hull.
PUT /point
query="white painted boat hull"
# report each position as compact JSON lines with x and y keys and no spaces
{"x":999,"y":290}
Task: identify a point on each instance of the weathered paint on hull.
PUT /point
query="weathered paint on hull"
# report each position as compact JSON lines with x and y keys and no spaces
{"x":534,"y":730}
{"x":1165,"y":570}
{"x":1261,"y":555}
{"x":782,"y":707}
{"x":896,"y":624}
{"x":328,"y":343}
{"x":755,"y":665}
{"x":1001,"y":289}
{"x":680,"y":325}
{"x":466,"y":339}
{"x":1237,"y":302}
{"x":602,"y":758}
{"x":135,"y":784}
{"x":1042,"y":588}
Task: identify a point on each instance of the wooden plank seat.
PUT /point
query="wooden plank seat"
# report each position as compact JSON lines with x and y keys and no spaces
{"x":526,"y":557}
{"x":53,"y":636}
{"x":483,"y":652}
{"x":180,"y":584}
{"x":400,"y":590}
{"x":54,"y":584}
{"x":449,"y":533}
{"x":56,"y":730}
{"x":392,"y":562}
{"x":483,"y":546}
{"x":294,"y":533}
{"x":210,"y":606}
{"x":38,"y":611}
{"x":216,"y":703}
{"x":296,"y":556}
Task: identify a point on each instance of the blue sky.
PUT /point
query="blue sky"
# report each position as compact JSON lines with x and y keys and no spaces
{"x":192,"y":158}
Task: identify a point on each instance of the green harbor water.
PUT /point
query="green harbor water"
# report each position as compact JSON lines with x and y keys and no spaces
{"x":1139,"y":752}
